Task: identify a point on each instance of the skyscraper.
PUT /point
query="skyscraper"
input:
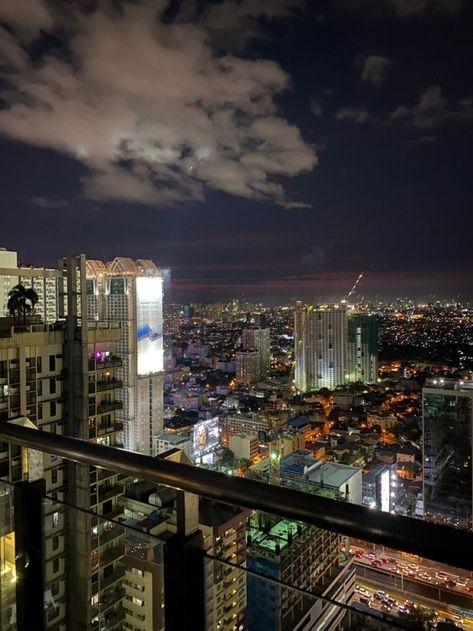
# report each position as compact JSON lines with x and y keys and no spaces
{"x":130,"y":293}
{"x":260,"y":340}
{"x":362,"y":348}
{"x":60,"y":378}
{"x":447,"y":420}
{"x":248,"y":366}
{"x":320,"y":339}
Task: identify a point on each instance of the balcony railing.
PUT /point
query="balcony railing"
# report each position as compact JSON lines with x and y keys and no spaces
{"x":109,"y":406}
{"x":175,"y":557}
{"x":109,"y":384}
{"x":103,"y":364}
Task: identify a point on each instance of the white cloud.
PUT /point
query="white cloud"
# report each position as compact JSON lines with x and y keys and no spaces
{"x":375,"y":68}
{"x":150,"y":107}
{"x":357,"y":115}
{"x":432,"y":110}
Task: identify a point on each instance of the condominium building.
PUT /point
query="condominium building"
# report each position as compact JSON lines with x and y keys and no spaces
{"x":447,"y":443}
{"x":31,"y":386}
{"x":260,"y":426}
{"x":61,"y":378}
{"x":129,"y":293}
{"x":158,"y":512}
{"x":303,"y":557}
{"x":320,"y":338}
{"x":362,"y":348}
{"x":248,"y":367}
{"x":224,"y":539}
{"x":260,"y":340}
{"x":45,"y":282}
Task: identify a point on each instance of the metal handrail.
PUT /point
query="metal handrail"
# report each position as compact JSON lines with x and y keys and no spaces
{"x":441,"y":543}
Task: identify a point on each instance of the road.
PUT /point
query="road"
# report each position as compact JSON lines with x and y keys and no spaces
{"x":395,"y":604}
{"x":448,"y":591}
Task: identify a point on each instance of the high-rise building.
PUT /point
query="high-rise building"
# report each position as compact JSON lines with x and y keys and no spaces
{"x":45,"y":282}
{"x":305,"y":557}
{"x":320,"y":339}
{"x":61,"y":378}
{"x":260,"y":340}
{"x":91,"y":407}
{"x":447,"y":421}
{"x":248,"y":367}
{"x":129,"y":293}
{"x":362,"y":348}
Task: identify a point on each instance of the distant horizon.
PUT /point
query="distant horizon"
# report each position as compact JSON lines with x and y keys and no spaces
{"x":212,"y":292}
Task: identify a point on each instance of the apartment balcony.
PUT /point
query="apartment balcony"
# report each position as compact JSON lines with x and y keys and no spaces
{"x":107,"y":492}
{"x":183,"y":569}
{"x":107,"y":536}
{"x":115,"y":577}
{"x":111,"y":555}
{"x":109,"y":406}
{"x":104,"y":364}
{"x":114,"y":512}
{"x":108,"y":384}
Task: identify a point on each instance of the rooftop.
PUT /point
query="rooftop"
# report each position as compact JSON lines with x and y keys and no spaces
{"x":333,"y":474}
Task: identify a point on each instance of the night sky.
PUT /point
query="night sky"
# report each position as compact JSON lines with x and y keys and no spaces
{"x":262,"y":149}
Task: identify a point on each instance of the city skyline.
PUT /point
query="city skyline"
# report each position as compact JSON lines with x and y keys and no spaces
{"x":353,"y":158}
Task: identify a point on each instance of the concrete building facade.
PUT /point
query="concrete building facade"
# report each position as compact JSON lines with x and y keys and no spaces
{"x":130,"y":293}
{"x":320,"y":346}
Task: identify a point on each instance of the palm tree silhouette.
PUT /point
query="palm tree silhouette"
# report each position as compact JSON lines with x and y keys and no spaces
{"x":21,"y":302}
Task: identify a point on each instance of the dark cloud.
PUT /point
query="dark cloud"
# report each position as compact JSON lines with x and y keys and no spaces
{"x":45,"y":202}
{"x":374,"y":69}
{"x":433,"y":109}
{"x":316,"y":107}
{"x":358,"y":115}
{"x":406,"y":8}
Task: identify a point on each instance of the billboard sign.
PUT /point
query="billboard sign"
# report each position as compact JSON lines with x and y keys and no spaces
{"x":205,"y":437}
{"x":149,"y":313}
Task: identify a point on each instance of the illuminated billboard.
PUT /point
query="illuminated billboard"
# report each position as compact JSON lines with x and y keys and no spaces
{"x":205,"y":437}
{"x":385,"y":491}
{"x":149,"y":315}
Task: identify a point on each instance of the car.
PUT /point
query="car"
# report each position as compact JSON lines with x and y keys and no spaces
{"x":361,"y":589}
{"x":378,"y":596}
{"x":386,"y":606}
{"x":376,"y":563}
{"x":402,"y":611}
{"x":359,"y":554}
{"x":441,"y":575}
{"x":385,"y":561}
{"x":365,"y":600}
{"x":470,"y":589}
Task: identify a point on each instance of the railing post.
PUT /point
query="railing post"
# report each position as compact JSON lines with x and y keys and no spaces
{"x":29,"y":562}
{"x":184,"y":594}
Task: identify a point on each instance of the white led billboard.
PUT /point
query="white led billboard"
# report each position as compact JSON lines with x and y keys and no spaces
{"x":385,"y":491}
{"x":149,"y":314}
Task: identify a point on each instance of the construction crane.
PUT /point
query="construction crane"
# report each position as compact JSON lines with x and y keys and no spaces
{"x":353,"y":289}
